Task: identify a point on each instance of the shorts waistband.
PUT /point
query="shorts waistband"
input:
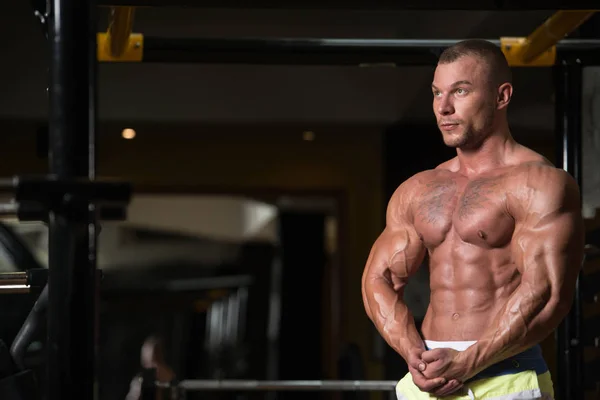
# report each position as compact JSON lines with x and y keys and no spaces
{"x":531,"y":359}
{"x":456,"y":345}
{"x":528,"y":360}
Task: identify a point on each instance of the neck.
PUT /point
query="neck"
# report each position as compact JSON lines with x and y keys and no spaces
{"x":491,"y":153}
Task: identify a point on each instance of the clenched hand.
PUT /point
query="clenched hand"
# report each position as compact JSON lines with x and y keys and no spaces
{"x":427,"y":381}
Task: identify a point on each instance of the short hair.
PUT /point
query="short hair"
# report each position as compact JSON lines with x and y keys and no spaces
{"x":487,"y":51}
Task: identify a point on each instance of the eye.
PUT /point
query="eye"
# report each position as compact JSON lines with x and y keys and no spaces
{"x":436,"y":92}
{"x":461,"y":91}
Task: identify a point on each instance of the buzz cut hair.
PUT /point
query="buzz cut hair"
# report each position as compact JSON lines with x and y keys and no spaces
{"x":491,"y":54}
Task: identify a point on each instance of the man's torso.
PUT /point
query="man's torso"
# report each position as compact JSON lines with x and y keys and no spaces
{"x":467,"y":225}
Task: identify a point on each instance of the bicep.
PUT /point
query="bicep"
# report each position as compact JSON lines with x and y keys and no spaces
{"x":395,"y":255}
{"x":549,"y":246}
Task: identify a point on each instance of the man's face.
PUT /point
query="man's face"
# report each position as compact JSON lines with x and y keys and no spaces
{"x":464,"y":101}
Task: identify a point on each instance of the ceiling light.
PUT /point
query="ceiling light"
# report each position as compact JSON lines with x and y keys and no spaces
{"x":128,"y":133}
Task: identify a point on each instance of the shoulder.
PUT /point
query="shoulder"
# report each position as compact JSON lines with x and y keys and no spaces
{"x":411,"y":186}
{"x":399,"y":205}
{"x":541,"y":187}
{"x":543,"y":176}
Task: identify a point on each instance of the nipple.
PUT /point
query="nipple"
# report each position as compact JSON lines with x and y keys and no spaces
{"x":455,"y":316}
{"x":481,"y":234}
{"x":421,"y":237}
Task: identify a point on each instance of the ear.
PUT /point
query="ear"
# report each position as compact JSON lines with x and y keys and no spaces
{"x":505,"y":92}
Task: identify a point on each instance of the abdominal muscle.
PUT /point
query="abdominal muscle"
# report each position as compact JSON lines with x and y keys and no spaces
{"x":466,"y":296}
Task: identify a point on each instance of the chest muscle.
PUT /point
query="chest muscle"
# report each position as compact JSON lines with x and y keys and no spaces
{"x":474,"y":210}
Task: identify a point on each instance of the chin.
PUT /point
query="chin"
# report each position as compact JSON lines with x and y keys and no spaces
{"x":455,"y":141}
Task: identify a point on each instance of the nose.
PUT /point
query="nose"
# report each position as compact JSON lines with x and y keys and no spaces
{"x":445,"y":106}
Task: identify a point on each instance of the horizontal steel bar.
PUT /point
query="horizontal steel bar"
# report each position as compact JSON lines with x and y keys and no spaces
{"x":13,"y":278}
{"x":325,"y":51}
{"x":506,"y":5}
{"x":15,"y":289}
{"x":244,"y":385}
{"x":8,"y":209}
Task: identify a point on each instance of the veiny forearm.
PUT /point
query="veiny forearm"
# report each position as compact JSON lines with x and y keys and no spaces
{"x":531,"y":313}
{"x":392,"y":318}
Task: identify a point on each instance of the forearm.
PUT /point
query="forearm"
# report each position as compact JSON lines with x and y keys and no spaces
{"x":392,"y":318}
{"x":531,"y":313}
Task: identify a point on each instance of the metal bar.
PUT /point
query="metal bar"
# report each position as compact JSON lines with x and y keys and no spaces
{"x":29,"y":329}
{"x":505,"y":5}
{"x":15,"y":289}
{"x":552,"y":31}
{"x":13,"y":278}
{"x":120,"y":25}
{"x":247,"y":385}
{"x":291,"y":51}
{"x":325,"y":51}
{"x":569,"y":130}
{"x":273,"y":331}
{"x":72,"y":251}
{"x":9,"y":209}
{"x":23,"y":282}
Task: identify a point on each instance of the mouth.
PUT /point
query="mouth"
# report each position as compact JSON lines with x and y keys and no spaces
{"x":448,"y":127}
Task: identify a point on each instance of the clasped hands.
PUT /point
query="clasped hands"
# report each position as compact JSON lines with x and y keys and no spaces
{"x":440,"y":372}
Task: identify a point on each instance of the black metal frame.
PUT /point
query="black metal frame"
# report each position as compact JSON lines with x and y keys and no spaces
{"x":327,"y":51}
{"x":72,"y":202}
{"x":72,"y":241}
{"x":569,"y":88}
{"x":503,"y":5}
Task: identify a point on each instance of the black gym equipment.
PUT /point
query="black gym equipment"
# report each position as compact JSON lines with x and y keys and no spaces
{"x":326,"y":51}
{"x":19,"y":374}
{"x":71,"y":201}
{"x":569,"y":83}
{"x":497,"y":5}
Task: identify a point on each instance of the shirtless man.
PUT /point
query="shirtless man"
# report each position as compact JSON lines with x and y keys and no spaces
{"x":504,"y":234}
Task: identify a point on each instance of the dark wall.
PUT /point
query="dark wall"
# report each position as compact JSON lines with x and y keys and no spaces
{"x":409,"y":149}
{"x":303,"y":261}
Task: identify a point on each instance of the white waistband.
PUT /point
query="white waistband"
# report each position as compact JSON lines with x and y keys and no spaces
{"x":456,"y":345}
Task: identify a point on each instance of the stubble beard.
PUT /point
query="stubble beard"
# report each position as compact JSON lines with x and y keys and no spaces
{"x":470,"y":138}
{"x":458,"y":139}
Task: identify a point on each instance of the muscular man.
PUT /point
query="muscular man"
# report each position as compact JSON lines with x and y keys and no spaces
{"x":504,"y":234}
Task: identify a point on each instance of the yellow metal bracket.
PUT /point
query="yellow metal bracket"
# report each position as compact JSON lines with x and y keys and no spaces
{"x":539,"y":48}
{"x":133,"y":49}
{"x":512,"y":47}
{"x":118,"y":43}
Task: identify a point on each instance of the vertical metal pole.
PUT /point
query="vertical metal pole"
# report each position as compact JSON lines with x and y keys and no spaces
{"x":274,"y":320}
{"x":72,"y":242}
{"x":569,"y":77}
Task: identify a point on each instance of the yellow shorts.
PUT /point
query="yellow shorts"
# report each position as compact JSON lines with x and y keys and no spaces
{"x":526,"y":385}
{"x":524,"y":376}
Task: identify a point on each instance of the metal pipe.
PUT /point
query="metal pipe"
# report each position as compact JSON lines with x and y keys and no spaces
{"x":475,"y":5}
{"x":226,"y":385}
{"x":326,"y":51}
{"x":120,"y":25}
{"x":15,"y":289}
{"x":553,"y":30}
{"x":72,"y":250}
{"x":29,"y":329}
{"x":9,"y":209}
{"x":13,"y":278}
{"x":569,"y":78}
